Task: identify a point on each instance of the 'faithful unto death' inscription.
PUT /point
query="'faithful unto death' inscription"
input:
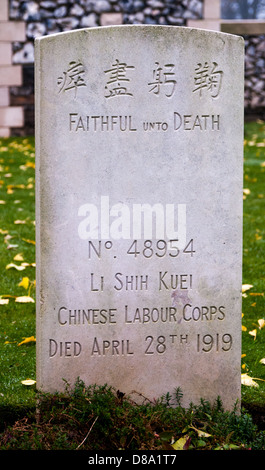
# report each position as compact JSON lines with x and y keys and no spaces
{"x":139,"y":133}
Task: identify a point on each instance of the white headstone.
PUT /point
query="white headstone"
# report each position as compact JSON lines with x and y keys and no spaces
{"x":139,"y":156}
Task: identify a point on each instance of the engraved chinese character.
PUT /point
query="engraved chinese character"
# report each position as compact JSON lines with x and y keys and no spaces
{"x":118,"y":81}
{"x":163,"y":77}
{"x":72,"y":78}
{"x":208,"y":78}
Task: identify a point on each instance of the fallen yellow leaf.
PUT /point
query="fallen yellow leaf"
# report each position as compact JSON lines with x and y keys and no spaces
{"x":30,"y":164}
{"x":246,"y":191}
{"x":29,"y":241}
{"x":8,"y":237}
{"x":262,"y":361}
{"x":11,"y":247}
{"x":28,"y":382}
{"x":4,"y":301}
{"x":19,"y":222}
{"x":244,"y":328}
{"x":16,"y":186}
{"x":246,"y":287}
{"x":15,"y":266}
{"x":24,"y":299}
{"x":253,"y":333}
{"x":257,"y":236}
{"x":261,"y":323}
{"x":24,"y":283}
{"x":18,"y":257}
{"x":28,"y":340}
{"x":246,"y":380}
{"x":180,"y":443}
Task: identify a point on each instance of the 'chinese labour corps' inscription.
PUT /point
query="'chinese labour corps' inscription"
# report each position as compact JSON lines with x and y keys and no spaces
{"x":139,"y":210}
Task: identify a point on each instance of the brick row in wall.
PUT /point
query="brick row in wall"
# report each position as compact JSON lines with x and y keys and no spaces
{"x":10,"y":74}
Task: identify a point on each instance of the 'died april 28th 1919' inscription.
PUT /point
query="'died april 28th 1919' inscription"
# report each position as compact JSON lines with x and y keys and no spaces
{"x":205,"y":343}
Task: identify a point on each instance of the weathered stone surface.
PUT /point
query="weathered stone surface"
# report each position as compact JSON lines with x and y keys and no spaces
{"x":130,"y":119}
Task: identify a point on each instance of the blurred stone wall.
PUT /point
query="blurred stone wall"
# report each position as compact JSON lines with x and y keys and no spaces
{"x":255,"y":75}
{"x":44,"y":17}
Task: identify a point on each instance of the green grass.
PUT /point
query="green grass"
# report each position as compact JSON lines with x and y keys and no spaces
{"x":254,"y":261}
{"x":17,"y":322}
